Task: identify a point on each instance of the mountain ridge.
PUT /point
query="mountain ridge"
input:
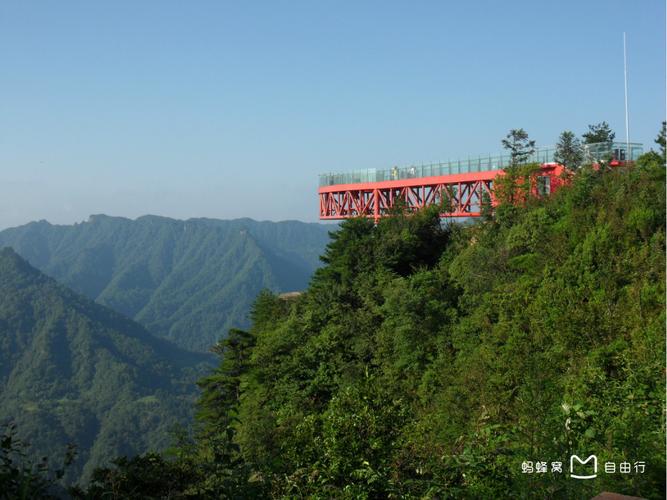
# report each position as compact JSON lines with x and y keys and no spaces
{"x":188,"y":281}
{"x":72,"y":370}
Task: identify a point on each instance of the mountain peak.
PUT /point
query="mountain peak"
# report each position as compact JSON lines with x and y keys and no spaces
{"x":187,"y":281}
{"x":12,"y":263}
{"x":103,"y":217}
{"x":84,"y":371}
{"x":9,"y":253}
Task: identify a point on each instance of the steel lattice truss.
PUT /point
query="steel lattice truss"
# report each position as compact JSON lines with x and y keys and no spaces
{"x":460,"y":195}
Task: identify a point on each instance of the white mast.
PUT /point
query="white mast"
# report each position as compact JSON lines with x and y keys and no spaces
{"x":627,"y":120}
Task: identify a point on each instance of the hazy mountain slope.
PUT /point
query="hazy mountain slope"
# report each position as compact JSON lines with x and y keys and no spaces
{"x":74,"y":371}
{"x":189,"y":281}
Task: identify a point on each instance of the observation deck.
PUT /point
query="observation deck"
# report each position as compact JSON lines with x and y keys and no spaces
{"x":464,"y":183}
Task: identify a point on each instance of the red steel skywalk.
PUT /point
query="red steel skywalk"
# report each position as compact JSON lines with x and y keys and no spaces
{"x":463,"y":186}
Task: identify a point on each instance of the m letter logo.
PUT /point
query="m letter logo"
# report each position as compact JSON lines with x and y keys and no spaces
{"x":584,"y":472}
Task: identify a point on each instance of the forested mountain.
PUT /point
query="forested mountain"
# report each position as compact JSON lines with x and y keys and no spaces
{"x":188,"y":281}
{"x":73,"y":371}
{"x":448,"y":362}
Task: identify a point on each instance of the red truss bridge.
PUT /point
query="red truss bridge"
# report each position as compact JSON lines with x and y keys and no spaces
{"x":464,"y":184}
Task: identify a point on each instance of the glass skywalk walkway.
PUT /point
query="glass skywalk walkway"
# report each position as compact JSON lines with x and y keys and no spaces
{"x":591,"y":153}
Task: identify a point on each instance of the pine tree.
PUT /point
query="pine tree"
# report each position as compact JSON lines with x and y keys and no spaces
{"x":568,"y":150}
{"x":519,"y":146}
{"x":599,"y":133}
{"x":221,"y":389}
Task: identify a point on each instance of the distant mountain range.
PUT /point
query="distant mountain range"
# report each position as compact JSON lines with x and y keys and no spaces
{"x":74,"y":371}
{"x":187,"y":281}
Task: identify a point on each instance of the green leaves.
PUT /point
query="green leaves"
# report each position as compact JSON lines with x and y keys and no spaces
{"x":600,"y":132}
{"x":519,"y":146}
{"x":569,"y":152}
{"x":21,"y":477}
{"x":425,"y":362}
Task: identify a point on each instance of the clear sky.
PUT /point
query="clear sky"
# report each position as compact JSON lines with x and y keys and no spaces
{"x":231,"y":109}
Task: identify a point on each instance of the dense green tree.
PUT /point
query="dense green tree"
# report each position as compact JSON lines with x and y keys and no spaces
{"x":21,"y":478}
{"x":520,"y":147}
{"x":514,"y":189}
{"x":599,"y":133}
{"x":435,"y":365}
{"x":221,"y":389}
{"x":148,"y":476}
{"x":568,"y":150}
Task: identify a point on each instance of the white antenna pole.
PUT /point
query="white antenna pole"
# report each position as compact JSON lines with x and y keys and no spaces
{"x":627,"y":120}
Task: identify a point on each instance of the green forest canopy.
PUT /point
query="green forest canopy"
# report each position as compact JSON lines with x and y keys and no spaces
{"x":432,"y":361}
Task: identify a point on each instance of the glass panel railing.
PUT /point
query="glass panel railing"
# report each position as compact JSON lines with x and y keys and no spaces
{"x":591,"y":153}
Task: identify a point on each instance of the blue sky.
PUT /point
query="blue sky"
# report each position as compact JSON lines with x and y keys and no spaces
{"x":216,"y":109}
